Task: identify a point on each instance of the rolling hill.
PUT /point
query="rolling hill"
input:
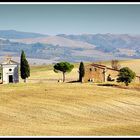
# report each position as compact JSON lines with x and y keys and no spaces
{"x":57,"y":40}
{"x":109,"y":42}
{"x":73,"y":48}
{"x":44,"y":108}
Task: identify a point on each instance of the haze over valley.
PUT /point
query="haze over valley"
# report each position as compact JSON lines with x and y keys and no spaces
{"x":41,"y":48}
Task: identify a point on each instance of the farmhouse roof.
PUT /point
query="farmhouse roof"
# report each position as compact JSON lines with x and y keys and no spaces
{"x":98,"y":65}
{"x":103,"y":67}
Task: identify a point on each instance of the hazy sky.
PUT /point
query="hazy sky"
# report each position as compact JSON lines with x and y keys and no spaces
{"x":71,"y":19}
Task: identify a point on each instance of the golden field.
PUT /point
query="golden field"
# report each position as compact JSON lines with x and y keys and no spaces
{"x":46,"y":73}
{"x":44,"y":107}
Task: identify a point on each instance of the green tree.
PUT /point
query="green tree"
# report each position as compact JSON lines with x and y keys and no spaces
{"x":126,"y":75}
{"x":63,"y":67}
{"x":81,"y":71}
{"x":24,"y":67}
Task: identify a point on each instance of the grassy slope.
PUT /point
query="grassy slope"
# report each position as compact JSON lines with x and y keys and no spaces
{"x":45,"y":108}
{"x":68,"y":109}
{"x":46,"y":72}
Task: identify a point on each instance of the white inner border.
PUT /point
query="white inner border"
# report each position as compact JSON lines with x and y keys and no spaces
{"x":66,"y":3}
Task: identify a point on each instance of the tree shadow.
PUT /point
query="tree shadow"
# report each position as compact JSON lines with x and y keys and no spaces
{"x":108,"y":84}
{"x":77,"y":81}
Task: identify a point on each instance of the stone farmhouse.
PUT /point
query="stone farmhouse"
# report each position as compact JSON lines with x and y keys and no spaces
{"x":9,"y":71}
{"x":100,"y":73}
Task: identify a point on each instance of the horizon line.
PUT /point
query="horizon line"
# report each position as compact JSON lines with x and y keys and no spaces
{"x":69,"y":33}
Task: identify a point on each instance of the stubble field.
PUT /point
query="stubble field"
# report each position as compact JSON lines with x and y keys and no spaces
{"x":48,"y":108}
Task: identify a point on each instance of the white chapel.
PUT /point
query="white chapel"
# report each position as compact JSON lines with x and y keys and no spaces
{"x":9,"y":71}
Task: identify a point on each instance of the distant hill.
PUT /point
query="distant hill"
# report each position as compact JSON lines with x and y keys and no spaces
{"x":57,"y":40}
{"x":120,"y":44}
{"x":53,"y":51}
{"x":13,"y":34}
{"x":73,"y":48}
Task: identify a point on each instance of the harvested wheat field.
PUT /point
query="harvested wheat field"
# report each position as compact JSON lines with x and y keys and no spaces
{"x":68,"y":109}
{"x":44,"y":107}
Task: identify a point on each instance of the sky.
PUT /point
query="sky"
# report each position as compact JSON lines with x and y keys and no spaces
{"x":71,"y":18}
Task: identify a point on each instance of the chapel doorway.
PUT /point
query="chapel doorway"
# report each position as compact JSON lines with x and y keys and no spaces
{"x":10,"y":78}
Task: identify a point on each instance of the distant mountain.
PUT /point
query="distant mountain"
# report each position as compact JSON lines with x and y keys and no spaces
{"x":13,"y":34}
{"x":57,"y":40}
{"x":108,"y":42}
{"x":73,"y":48}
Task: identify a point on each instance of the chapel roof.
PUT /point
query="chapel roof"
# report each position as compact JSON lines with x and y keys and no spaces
{"x":9,"y":61}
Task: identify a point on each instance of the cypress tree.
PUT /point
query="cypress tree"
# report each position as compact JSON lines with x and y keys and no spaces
{"x":24,"y":67}
{"x":81,"y":71}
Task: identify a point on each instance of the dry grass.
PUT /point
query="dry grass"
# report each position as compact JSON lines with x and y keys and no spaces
{"x":133,"y":64}
{"x":44,"y":108}
{"x":46,"y":73}
{"x":68,"y":110}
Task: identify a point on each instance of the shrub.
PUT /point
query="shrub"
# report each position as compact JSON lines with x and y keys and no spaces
{"x":126,"y":75}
